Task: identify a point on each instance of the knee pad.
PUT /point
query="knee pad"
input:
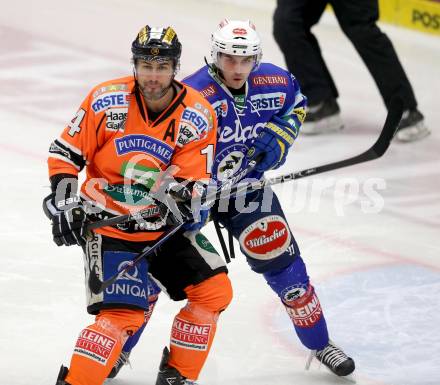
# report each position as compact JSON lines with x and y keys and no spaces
{"x":120,"y":323}
{"x":213,"y":294}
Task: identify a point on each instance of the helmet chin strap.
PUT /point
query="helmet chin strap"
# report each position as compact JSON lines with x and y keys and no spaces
{"x":217,"y":71}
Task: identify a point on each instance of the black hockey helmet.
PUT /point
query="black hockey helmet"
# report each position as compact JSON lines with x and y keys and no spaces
{"x":153,"y":43}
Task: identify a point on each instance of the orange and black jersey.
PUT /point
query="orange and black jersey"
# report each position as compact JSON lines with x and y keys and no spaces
{"x":124,"y":153}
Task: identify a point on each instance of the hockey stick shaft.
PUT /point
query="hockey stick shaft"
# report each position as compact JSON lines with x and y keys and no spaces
{"x":379,"y":148}
{"x":97,"y":286}
{"x":143,"y":214}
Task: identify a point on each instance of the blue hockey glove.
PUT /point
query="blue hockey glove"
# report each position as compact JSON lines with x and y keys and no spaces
{"x":68,"y":220}
{"x":197,"y":223}
{"x":272,"y":144}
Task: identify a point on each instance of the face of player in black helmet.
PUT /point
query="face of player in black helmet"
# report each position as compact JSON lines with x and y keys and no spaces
{"x":154,"y":77}
{"x":156,"y":55}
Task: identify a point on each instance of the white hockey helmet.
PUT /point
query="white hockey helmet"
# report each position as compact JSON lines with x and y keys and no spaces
{"x":236,"y":37}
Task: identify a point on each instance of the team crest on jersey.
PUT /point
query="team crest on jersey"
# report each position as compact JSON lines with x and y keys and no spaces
{"x":113,"y":99}
{"x":221,"y":108}
{"x":271,"y":101}
{"x":230,"y":161}
{"x":116,"y":118}
{"x":266,"y":238}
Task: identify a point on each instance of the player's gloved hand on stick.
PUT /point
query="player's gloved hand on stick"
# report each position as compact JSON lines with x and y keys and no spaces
{"x":68,"y":220}
{"x":184,"y":204}
{"x":272,"y":144}
{"x":198,"y":222}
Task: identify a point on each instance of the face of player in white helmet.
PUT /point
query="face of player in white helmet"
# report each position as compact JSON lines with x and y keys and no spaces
{"x":235,"y":69}
{"x":154,"y":77}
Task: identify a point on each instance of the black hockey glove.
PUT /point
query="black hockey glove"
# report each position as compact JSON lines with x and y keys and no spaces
{"x":183,"y":204}
{"x":68,"y":220}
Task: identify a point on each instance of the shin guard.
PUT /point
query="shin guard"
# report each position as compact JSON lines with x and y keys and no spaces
{"x":99,"y":345}
{"x":194,"y":327}
{"x":301,"y":302}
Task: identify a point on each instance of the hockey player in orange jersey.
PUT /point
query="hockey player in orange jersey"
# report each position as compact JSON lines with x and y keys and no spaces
{"x":127,"y":135}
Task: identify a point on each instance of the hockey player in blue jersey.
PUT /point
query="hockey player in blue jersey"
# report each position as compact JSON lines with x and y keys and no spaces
{"x":260,"y":110}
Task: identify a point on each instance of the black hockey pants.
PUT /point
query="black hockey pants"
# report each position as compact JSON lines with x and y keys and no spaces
{"x":293,"y":20}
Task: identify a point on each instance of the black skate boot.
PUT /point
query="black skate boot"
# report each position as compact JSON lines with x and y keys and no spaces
{"x":168,"y":375}
{"x":322,"y":118}
{"x":334,"y":359}
{"x":412,"y":126}
{"x":122,"y":360}
{"x":62,"y":375}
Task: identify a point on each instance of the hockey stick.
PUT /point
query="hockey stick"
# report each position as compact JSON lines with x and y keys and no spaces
{"x":144,"y":214}
{"x":379,"y":148}
{"x":97,"y":286}
{"x":376,"y":151}
{"x":394,"y":115}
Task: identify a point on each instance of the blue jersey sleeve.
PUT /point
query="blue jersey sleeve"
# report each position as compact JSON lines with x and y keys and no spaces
{"x":293,"y":113}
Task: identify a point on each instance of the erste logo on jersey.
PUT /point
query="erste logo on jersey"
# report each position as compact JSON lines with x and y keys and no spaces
{"x":266,"y":238}
{"x":221,"y":108}
{"x":197,"y":119}
{"x":116,"y":118}
{"x":146,"y":144}
{"x":271,"y":101}
{"x":113,"y":99}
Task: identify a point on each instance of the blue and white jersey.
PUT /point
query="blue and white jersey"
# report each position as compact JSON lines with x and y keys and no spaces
{"x":270,"y":92}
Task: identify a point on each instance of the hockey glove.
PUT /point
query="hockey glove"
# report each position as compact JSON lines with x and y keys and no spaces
{"x":68,"y":220}
{"x":272,"y":144}
{"x":184,"y":204}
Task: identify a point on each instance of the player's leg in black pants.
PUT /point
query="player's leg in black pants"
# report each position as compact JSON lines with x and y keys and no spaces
{"x":293,"y":20}
{"x":357,"y":19}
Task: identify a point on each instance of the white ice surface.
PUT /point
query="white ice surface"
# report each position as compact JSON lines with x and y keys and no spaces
{"x":377,"y":274}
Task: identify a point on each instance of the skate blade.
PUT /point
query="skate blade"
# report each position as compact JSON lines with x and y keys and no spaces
{"x":350,"y":378}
